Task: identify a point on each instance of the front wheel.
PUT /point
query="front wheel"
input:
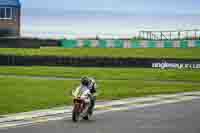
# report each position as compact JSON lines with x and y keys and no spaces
{"x":75,"y":115}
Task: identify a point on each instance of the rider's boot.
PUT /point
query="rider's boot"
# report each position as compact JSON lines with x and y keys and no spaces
{"x":91,"y":108}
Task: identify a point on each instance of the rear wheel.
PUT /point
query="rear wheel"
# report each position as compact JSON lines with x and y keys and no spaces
{"x":86,"y":118}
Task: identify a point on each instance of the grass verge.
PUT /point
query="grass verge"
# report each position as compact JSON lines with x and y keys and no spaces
{"x":189,"y":53}
{"x":19,"y":95}
{"x":105,"y":73}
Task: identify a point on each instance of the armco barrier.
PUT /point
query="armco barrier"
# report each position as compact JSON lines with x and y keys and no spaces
{"x":120,"y":43}
{"x":10,"y":60}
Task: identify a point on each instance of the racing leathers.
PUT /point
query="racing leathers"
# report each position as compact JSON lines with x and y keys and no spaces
{"x":92,"y":86}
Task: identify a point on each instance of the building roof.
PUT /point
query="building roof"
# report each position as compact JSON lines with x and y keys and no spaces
{"x":10,"y":3}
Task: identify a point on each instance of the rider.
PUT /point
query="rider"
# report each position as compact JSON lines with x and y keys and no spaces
{"x":91,"y":85}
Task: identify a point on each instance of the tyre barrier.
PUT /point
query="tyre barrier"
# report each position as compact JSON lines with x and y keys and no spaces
{"x":11,"y":60}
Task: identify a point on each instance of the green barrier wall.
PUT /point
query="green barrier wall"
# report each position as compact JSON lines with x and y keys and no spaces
{"x":118,"y":43}
{"x":152,"y":44}
{"x":103,"y":44}
{"x":184,"y":44}
{"x":87,"y":43}
{"x":168,"y":44}
{"x":135,"y":44}
{"x":69,"y":43}
{"x":197,"y":43}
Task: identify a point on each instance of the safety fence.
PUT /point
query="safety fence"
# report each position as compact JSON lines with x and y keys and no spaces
{"x":120,"y":43}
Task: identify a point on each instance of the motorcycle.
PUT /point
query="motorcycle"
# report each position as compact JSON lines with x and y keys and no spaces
{"x":82,"y":103}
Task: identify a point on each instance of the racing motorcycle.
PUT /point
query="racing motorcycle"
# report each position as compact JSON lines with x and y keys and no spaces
{"x":82,"y":103}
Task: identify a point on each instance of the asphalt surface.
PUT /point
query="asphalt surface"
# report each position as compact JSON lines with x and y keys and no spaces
{"x":167,"y":118}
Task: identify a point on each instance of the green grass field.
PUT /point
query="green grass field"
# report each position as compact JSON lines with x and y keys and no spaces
{"x":106,"y":73}
{"x":19,"y":95}
{"x":26,"y":94}
{"x":189,"y":53}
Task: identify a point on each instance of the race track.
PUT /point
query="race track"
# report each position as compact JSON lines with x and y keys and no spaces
{"x":180,"y":117}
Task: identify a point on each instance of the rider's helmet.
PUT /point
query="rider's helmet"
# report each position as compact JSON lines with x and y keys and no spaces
{"x":85,"y":81}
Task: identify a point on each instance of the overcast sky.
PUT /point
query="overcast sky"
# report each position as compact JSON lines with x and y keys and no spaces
{"x":133,"y":6}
